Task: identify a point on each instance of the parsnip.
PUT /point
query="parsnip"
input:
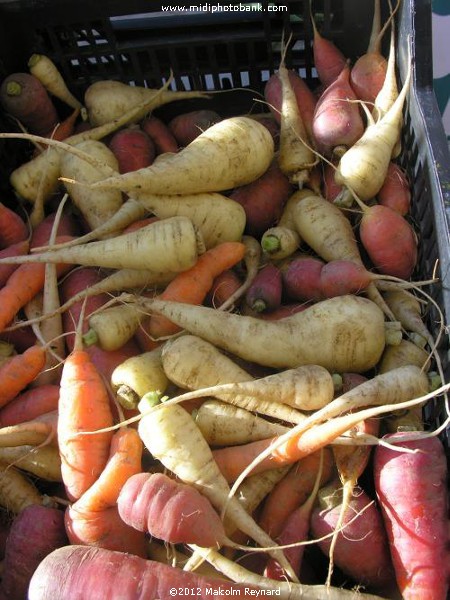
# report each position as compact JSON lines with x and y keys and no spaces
{"x":229,"y":154}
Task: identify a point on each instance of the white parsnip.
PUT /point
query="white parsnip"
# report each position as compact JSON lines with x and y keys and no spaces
{"x":342,"y":334}
{"x":230,"y":153}
{"x":226,"y":425}
{"x":193,"y":363}
{"x":97,"y":207}
{"x":42,"y":67}
{"x":41,"y":461}
{"x":170,"y":244}
{"x":138,"y":375}
{"x":106,"y":100}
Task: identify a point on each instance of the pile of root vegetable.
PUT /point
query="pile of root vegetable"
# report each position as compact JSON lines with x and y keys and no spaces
{"x":214,"y":346}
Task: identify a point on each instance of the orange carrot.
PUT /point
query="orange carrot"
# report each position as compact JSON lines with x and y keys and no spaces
{"x":30,"y":404}
{"x":19,"y":371}
{"x":293,"y":490}
{"x":83,"y":406}
{"x":192,"y":286}
{"x":18,"y":249}
{"x":28,"y":279}
{"x":13,"y":228}
{"x":94,"y":519}
{"x":22,"y":286}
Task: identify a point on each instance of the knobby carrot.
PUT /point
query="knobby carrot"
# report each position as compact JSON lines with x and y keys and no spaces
{"x":193,"y":285}
{"x":83,"y":406}
{"x":19,"y":371}
{"x":94,"y":519}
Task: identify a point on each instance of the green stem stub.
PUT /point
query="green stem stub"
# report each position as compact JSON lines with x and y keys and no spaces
{"x":270,"y":244}
{"x":149,"y":400}
{"x":90,"y":337}
{"x":13,"y":88}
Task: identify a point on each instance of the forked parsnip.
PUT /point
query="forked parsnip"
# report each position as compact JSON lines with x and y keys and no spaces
{"x":342,"y":334}
{"x":106,"y":100}
{"x":169,"y":244}
{"x":229,"y":154}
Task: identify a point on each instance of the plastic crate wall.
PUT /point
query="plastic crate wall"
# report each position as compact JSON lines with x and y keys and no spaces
{"x":129,"y":41}
{"x":205,"y":51}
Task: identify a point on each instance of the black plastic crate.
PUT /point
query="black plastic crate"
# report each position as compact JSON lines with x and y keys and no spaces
{"x":136,"y":43}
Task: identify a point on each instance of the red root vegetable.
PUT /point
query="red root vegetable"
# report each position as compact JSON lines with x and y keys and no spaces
{"x":301,"y":278}
{"x":13,"y":229}
{"x":133,"y":149}
{"x":396,"y":192}
{"x":169,"y":510}
{"x":265,"y":291}
{"x":412,"y":491}
{"x":35,"y":532}
{"x":389,"y":240}
{"x":24,"y":97}
{"x":337,"y":122}
{"x":295,"y":529}
{"x":328,"y":59}
{"x":340,"y":277}
{"x":30,"y":404}
{"x":361,"y":550}
{"x":159,"y":132}
{"x":123,"y":576}
{"x":263,"y":200}
{"x":368,"y":74}
{"x":188,"y":126}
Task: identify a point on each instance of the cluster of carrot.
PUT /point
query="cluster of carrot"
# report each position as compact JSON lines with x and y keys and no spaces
{"x":268,"y":354}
